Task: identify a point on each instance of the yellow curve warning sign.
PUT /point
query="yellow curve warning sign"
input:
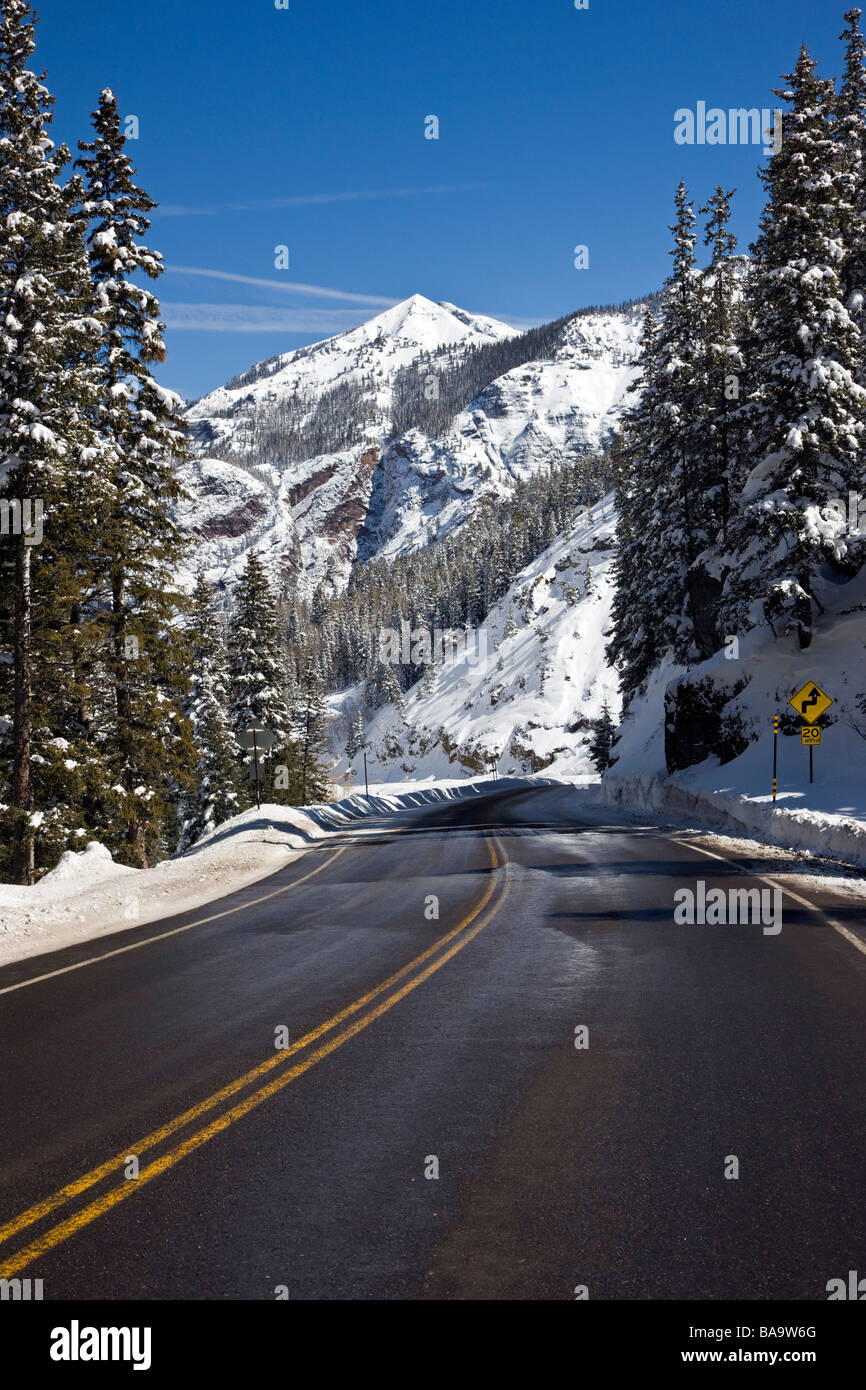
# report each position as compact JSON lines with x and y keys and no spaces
{"x":810,"y":702}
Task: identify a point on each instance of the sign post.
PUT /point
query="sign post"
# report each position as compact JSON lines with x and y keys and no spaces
{"x":810,"y":702}
{"x":810,"y":737}
{"x":775,"y":751}
{"x":260,"y":741}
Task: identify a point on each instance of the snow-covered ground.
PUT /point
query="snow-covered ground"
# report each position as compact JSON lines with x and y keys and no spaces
{"x":87,"y":894}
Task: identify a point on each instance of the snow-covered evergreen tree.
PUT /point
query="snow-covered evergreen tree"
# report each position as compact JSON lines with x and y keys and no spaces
{"x":355,"y":741}
{"x":850,"y":134}
{"x":681,"y":524}
{"x":635,"y":646}
{"x":257,"y":675}
{"x":140,"y":544}
{"x":310,"y":725}
{"x":723,"y":364}
{"x":215,"y":797}
{"x":603,"y":733}
{"x":667,"y":506}
{"x":805,"y":408}
{"x":49,"y":454}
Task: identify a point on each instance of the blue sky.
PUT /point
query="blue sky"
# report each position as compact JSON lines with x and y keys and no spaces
{"x":305,"y":127}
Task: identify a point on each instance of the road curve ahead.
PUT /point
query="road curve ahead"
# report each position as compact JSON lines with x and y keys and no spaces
{"x":459,"y":1053}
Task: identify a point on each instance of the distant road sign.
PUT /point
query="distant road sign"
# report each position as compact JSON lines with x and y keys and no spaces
{"x":810,"y":736}
{"x":257,"y":738}
{"x":810,"y":702}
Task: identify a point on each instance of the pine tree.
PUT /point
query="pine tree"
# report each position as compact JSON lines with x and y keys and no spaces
{"x":659,"y":468}
{"x":603,"y":733}
{"x":355,"y":741}
{"x":850,"y":133}
{"x":383,"y":687}
{"x":724,"y":363}
{"x":805,"y":409}
{"x":216,"y":795}
{"x":257,"y":677}
{"x":49,"y":453}
{"x":719,"y":420}
{"x":636,"y":642}
{"x":140,"y":543}
{"x":680,"y":527}
{"x":311,"y":741}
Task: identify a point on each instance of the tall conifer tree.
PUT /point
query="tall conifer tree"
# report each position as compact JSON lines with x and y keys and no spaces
{"x":140,"y":543}
{"x":850,"y":133}
{"x":805,"y":409}
{"x":259,"y":678}
{"x":49,"y":454}
{"x":216,"y":795}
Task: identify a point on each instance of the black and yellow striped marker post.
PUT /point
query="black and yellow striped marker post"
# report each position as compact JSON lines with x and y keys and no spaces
{"x":775,"y":750}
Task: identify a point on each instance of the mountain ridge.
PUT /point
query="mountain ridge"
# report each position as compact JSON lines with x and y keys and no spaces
{"x":299,"y":459}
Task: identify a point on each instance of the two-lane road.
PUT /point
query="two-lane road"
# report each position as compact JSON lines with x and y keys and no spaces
{"x":359,"y":1079}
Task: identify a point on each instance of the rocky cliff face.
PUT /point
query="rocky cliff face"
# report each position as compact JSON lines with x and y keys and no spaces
{"x":310,"y":518}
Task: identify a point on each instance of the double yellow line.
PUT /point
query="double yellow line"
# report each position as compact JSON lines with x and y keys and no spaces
{"x":417,"y":971}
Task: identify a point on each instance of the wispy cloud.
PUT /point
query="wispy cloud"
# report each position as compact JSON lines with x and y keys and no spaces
{"x":246,"y":318}
{"x":290,"y":286}
{"x":311,"y":199}
{"x":262,"y":318}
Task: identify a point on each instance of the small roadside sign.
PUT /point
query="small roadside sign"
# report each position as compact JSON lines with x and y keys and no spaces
{"x":810,"y":736}
{"x":260,"y":739}
{"x":810,"y":702}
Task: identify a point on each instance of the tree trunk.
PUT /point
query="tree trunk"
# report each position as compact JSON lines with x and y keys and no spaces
{"x":22,"y":798}
{"x":123,"y":704}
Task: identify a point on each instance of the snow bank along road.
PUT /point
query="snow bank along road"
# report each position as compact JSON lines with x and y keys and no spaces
{"x":542,"y":1089}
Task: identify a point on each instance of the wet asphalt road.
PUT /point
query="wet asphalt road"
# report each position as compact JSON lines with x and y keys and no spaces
{"x":314,"y":1168}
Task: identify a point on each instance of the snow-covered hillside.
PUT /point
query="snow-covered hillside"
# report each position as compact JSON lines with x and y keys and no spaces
{"x":309,"y":519}
{"x":526,"y":705}
{"x":530,"y":418}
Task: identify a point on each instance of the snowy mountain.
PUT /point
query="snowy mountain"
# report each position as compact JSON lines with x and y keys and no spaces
{"x":524,"y":421}
{"x":520,"y":696}
{"x":309,"y":517}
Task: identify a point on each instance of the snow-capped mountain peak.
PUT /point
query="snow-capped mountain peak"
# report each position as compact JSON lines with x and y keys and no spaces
{"x":381,"y":346}
{"x":384,"y":437}
{"x":420,"y":323}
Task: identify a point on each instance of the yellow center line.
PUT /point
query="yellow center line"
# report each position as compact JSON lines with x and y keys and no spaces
{"x":60,"y":1198}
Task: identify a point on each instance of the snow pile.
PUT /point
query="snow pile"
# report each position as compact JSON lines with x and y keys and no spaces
{"x":76,"y":872}
{"x":525,"y":706}
{"x":87,"y":894}
{"x":827,"y":817}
